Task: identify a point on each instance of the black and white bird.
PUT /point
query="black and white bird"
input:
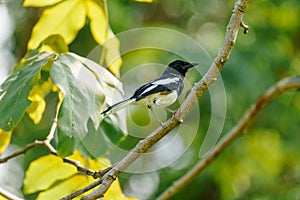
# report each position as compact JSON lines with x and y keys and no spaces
{"x":162,"y":91}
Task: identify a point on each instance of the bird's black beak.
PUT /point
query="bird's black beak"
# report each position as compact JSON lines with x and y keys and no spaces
{"x":192,"y":65}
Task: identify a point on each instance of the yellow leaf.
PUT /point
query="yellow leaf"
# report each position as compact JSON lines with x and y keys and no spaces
{"x":46,"y":170}
{"x":54,"y":43}
{"x":65,"y":18}
{"x":66,"y":187}
{"x":4,"y":140}
{"x":113,"y":58}
{"x":38,"y":105}
{"x":145,"y":1}
{"x":57,"y":179}
{"x":40,"y":3}
{"x":104,"y":36}
{"x":98,"y":21}
{"x":115,"y":191}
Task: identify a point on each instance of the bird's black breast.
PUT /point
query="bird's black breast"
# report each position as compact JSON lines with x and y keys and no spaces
{"x":165,"y":83}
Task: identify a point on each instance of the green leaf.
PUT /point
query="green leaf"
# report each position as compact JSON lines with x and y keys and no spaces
{"x":65,"y":18}
{"x":85,"y":86}
{"x":110,"y":87}
{"x":112,"y":131}
{"x":15,"y":90}
{"x":94,"y":143}
{"x":40,"y":3}
{"x":72,"y":115}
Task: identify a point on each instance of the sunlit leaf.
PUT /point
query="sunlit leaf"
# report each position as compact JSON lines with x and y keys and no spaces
{"x":102,"y":75}
{"x":15,"y":90}
{"x":98,"y":21}
{"x":46,"y":170}
{"x":113,"y":58}
{"x":4,"y":140}
{"x":104,"y":36}
{"x":36,"y":96}
{"x":54,"y":43}
{"x":65,"y":18}
{"x":66,"y":187}
{"x":112,"y":89}
{"x":115,"y":191}
{"x":75,"y":181}
{"x":40,"y":3}
{"x":146,"y":1}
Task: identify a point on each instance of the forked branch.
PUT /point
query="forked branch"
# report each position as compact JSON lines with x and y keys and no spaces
{"x":248,"y":117}
{"x":198,"y":89}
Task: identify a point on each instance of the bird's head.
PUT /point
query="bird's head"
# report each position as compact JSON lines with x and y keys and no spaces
{"x":181,"y":66}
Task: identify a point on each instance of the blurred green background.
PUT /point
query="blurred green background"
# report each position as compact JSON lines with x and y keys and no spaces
{"x":265,"y":163}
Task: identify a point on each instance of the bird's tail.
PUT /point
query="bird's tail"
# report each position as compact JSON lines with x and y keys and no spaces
{"x":118,"y":106}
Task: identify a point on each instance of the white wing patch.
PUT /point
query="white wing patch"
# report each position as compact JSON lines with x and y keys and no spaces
{"x":148,"y":89}
{"x":166,"y":81}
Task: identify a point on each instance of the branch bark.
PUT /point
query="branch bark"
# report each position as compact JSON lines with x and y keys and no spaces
{"x":190,"y":101}
{"x":248,"y":117}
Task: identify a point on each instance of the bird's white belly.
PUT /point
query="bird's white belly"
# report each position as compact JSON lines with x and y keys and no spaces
{"x":159,"y":99}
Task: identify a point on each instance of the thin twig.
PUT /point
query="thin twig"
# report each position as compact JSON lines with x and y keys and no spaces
{"x":190,"y":101}
{"x":245,"y":27}
{"x":82,"y":191}
{"x":248,"y":117}
{"x":22,"y":151}
{"x":99,"y":174}
{"x":46,"y":143}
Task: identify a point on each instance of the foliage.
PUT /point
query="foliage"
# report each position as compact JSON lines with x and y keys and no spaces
{"x":49,"y":79}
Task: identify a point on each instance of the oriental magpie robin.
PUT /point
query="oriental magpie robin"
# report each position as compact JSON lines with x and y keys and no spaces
{"x":162,"y":91}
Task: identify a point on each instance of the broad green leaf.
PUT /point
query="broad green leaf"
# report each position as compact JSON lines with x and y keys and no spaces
{"x":102,"y":75}
{"x":111,"y":87}
{"x":40,"y":3}
{"x":94,"y":143}
{"x":65,"y":18}
{"x":80,"y":80}
{"x":45,"y":171}
{"x":36,"y":96}
{"x":72,"y":116}
{"x":15,"y":90}
{"x":4,"y":140}
{"x":112,"y":130}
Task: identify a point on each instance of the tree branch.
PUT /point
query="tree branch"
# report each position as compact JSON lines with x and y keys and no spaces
{"x":248,"y":117}
{"x":46,"y":143}
{"x":190,"y":101}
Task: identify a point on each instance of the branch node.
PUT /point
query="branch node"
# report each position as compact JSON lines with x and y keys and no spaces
{"x":245,"y":27}
{"x":112,"y":176}
{"x":100,"y":173}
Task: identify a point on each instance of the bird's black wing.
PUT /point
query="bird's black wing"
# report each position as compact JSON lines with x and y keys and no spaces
{"x":165,"y":83}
